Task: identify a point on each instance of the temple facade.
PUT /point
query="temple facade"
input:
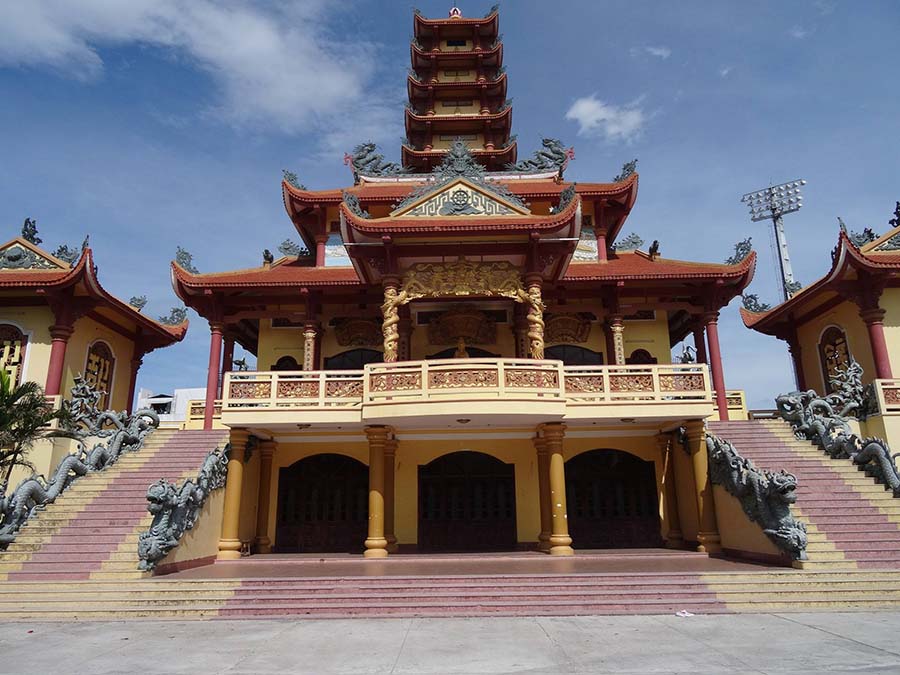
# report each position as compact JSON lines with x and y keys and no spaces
{"x":490,"y":370}
{"x":57,"y":323}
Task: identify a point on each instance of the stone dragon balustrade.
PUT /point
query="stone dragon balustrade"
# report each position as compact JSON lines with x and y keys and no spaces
{"x":176,"y":509}
{"x":825,"y":421}
{"x":765,"y":496}
{"x":114,"y":433}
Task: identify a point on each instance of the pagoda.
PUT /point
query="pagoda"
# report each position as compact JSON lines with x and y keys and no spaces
{"x":458,"y":336}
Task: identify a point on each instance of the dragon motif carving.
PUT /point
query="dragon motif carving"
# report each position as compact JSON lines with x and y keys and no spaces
{"x":117,"y":433}
{"x":765,"y":496}
{"x":628,"y":169}
{"x":176,"y":317}
{"x":176,"y":509}
{"x":390,"y":312}
{"x":741,"y":251}
{"x":751,"y":303}
{"x":554,"y":156}
{"x":629,"y":243}
{"x":366,"y":161}
{"x":352,"y":202}
{"x":824,"y":420}
{"x":17,"y":257}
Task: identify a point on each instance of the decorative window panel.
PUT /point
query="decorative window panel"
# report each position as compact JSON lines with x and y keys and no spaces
{"x":13,"y":344}
{"x":834,"y":354}
{"x":99,"y":370}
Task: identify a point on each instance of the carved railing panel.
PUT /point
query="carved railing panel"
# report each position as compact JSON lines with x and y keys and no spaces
{"x":292,"y":389}
{"x":887,"y":393}
{"x":639,"y":383}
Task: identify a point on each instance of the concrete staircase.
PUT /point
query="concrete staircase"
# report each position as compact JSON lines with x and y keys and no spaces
{"x":852,"y":521}
{"x":768,"y":590}
{"x":91,"y":531}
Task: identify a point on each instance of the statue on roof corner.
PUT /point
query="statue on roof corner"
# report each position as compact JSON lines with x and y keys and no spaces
{"x":741,"y":250}
{"x":366,"y":161}
{"x":29,"y":231}
{"x":628,"y":169}
{"x":553,"y":157}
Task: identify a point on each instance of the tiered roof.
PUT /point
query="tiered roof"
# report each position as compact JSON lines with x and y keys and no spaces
{"x":27,"y":269}
{"x":854,"y":270}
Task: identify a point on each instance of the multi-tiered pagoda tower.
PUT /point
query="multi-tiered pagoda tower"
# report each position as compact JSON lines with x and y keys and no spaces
{"x":488,"y":344}
{"x":457,"y":90}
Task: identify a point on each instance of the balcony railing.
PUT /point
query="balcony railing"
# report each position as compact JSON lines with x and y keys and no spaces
{"x":422,"y":386}
{"x":888,"y":394}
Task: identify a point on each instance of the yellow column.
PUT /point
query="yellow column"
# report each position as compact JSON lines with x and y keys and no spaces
{"x":543,"y":469}
{"x":560,"y":541}
{"x":266,"y":451}
{"x":390,"y":451}
{"x":708,"y":534}
{"x":674,"y":536}
{"x":229,"y":542}
{"x":376,"y":544}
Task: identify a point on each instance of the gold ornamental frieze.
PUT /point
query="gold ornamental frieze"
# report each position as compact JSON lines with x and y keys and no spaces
{"x":462,"y":322}
{"x":462,"y":278}
{"x":567,"y":328}
{"x":357,"y":332}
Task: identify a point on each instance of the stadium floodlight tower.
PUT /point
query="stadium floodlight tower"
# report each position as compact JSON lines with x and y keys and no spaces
{"x":771,"y":204}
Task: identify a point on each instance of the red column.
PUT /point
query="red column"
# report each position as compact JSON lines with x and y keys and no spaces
{"x":700,"y":344}
{"x":874,"y":319}
{"x":796,"y":352}
{"x":60,"y":335}
{"x":212,"y":373}
{"x":321,"y":240}
{"x":132,"y":381}
{"x":227,"y":359}
{"x":601,"y":245}
{"x":711,"y":319}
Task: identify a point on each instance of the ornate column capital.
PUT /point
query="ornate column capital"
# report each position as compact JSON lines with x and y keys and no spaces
{"x":710,"y":316}
{"x":378,"y":433}
{"x":217,"y":327}
{"x":267,"y":448}
{"x":872,"y":315}
{"x":553,"y":432}
{"x":61,"y":332}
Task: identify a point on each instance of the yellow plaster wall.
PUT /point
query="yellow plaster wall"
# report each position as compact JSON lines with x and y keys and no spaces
{"x":736,"y":530}
{"x":846,"y":316}
{"x":35,"y":322}
{"x":687,"y":493}
{"x":890,"y":301}
{"x":249,"y":498}
{"x":87,"y":331}
{"x":650,"y":335}
{"x":277,"y":342}
{"x":203,"y":540}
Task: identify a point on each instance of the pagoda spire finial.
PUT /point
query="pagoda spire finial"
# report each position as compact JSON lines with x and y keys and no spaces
{"x":455,"y":12}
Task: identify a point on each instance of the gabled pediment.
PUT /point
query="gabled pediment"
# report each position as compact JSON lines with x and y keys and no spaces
{"x":460,"y":197}
{"x":888,"y":242}
{"x":21,"y":254}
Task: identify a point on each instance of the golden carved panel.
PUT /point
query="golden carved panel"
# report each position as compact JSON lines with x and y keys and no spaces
{"x":307,"y":389}
{"x":358,"y":332}
{"x":567,"y":328}
{"x":395,"y":381}
{"x":462,"y":278}
{"x":251,"y":389}
{"x":526,"y":378}
{"x":461,"y":379}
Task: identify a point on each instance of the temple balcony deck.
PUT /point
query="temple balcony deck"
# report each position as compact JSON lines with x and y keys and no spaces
{"x":480,"y":391}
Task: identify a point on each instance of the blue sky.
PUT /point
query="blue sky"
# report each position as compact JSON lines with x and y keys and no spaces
{"x":156,"y":123}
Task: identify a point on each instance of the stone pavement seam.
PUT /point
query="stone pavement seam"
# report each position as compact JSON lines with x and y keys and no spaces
{"x":567,"y":660}
{"x":837,"y":635}
{"x":402,"y":643}
{"x":287,"y":625}
{"x":709,"y":645}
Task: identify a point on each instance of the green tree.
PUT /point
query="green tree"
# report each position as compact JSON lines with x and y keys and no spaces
{"x":25,"y":417}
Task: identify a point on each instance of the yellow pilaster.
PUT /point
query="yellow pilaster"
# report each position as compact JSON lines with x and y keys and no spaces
{"x":376,"y":544}
{"x":390,"y":452}
{"x":708,"y":534}
{"x":560,"y":541}
{"x":674,"y":536}
{"x":266,"y":452}
{"x":229,"y":542}
{"x":543,"y":469}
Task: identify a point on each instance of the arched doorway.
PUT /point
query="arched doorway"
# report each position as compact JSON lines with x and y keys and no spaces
{"x":612,"y":501}
{"x":322,"y":505}
{"x":467,"y":502}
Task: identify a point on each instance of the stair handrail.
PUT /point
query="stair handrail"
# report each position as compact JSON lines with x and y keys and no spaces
{"x":176,"y":509}
{"x":766,"y":496}
{"x":119,"y":432}
{"x":824,"y":420}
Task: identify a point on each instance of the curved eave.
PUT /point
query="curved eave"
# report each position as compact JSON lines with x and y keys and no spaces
{"x":620,"y":268}
{"x":410,"y":155}
{"x":461,"y":224}
{"x":847,"y":257}
{"x":412,"y":118}
{"x":491,"y":21}
{"x":427,"y":54}
{"x":413,"y":85}
{"x":281,"y":274}
{"x":166,"y":335}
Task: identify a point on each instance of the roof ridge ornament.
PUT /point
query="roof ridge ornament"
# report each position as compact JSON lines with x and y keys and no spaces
{"x":30,"y":232}
{"x":185,"y":260}
{"x":553,"y":156}
{"x":628,"y":169}
{"x":366,"y":161}
{"x":630,"y":243}
{"x":741,"y":250}
{"x":459,"y":162}
{"x":352,"y":202}
{"x":176,"y":317}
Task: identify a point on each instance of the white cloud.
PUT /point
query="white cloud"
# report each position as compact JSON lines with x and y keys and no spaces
{"x":611,"y":122}
{"x":661,"y":52}
{"x":725,"y":71}
{"x":799,"y":32}
{"x":273,"y":63}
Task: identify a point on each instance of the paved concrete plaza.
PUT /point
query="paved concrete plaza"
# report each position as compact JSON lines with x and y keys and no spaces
{"x":761,"y":643}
